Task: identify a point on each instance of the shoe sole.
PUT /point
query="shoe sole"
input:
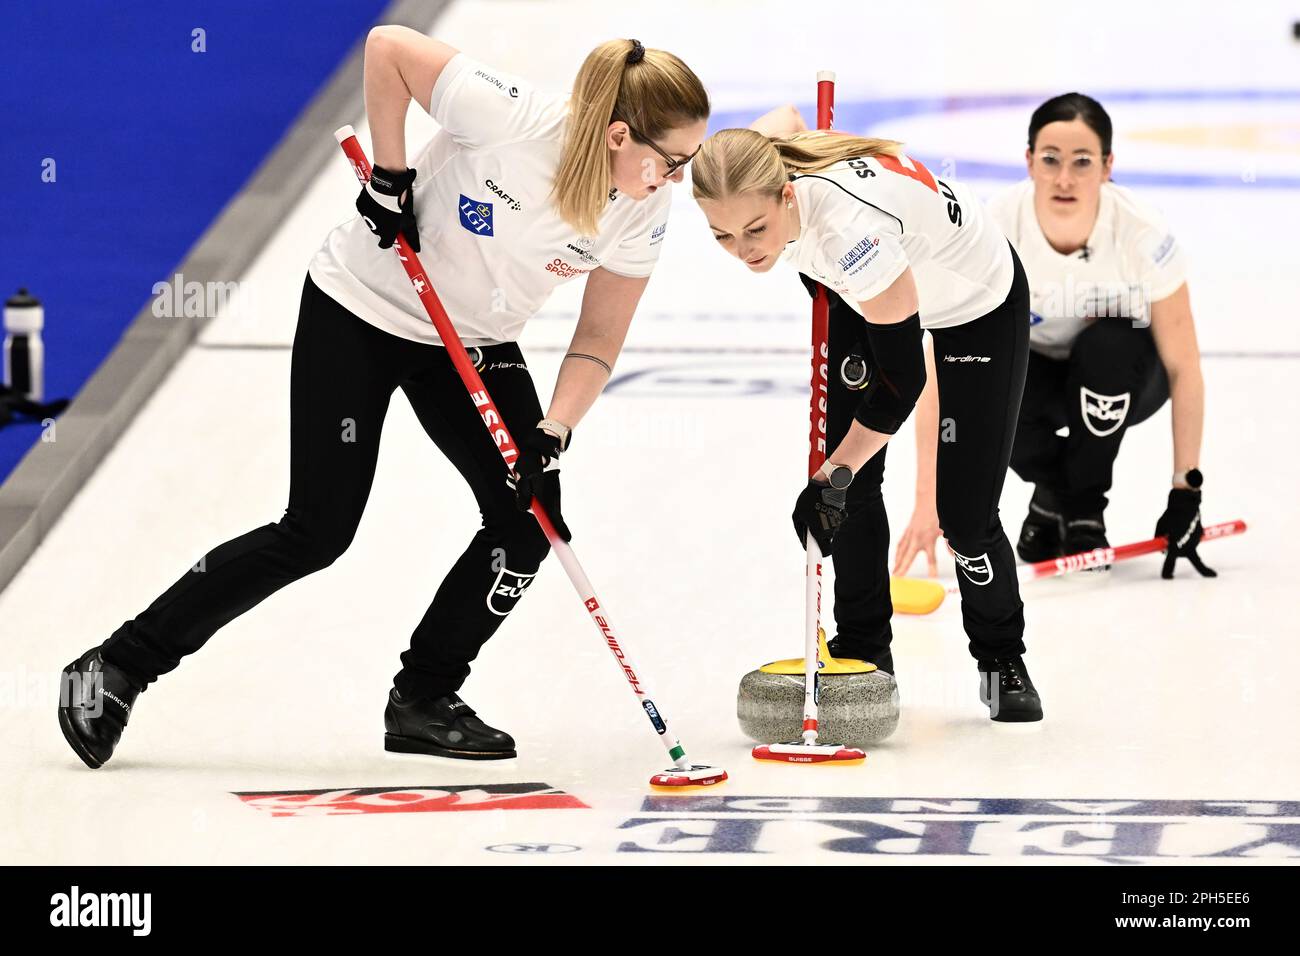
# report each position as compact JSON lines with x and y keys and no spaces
{"x":1004,"y":716}
{"x":397,"y":744}
{"x":70,"y":735}
{"x":1018,"y":717}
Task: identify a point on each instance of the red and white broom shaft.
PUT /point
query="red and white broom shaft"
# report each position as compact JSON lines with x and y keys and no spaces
{"x":1053,"y":567}
{"x":510,"y":452}
{"x":816,"y":450}
{"x":1100,"y":557}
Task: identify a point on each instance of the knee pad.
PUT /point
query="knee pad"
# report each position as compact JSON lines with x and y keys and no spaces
{"x":898,"y":377}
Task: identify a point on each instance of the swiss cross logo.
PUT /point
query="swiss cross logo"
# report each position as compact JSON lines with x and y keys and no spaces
{"x":592,"y":604}
{"x":353,"y":801}
{"x":421,"y":284}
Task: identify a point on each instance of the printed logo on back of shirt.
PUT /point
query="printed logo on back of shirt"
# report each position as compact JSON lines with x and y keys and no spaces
{"x":476,"y":216}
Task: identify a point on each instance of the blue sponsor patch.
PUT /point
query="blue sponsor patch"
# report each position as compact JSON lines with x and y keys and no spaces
{"x":1035,"y":318}
{"x":1163,"y":251}
{"x":476,"y":216}
{"x":653,"y":713}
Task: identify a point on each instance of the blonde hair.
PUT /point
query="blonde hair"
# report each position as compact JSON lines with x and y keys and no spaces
{"x":655,"y":94}
{"x":733,"y":162}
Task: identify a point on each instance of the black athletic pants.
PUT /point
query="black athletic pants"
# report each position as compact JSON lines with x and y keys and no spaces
{"x":1112,"y":380}
{"x":978,"y":404}
{"x":344,"y":372}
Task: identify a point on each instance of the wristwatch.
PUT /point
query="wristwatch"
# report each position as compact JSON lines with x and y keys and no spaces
{"x":558,"y":430}
{"x":839,"y":476}
{"x":1192,"y":478}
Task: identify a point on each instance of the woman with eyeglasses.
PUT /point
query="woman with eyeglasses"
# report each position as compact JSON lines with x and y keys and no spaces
{"x":521,"y":190}
{"x":900,"y":250}
{"x":1111,"y":340}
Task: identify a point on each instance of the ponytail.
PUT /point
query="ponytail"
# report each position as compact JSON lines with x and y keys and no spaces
{"x":620,"y":79}
{"x":736,"y":161}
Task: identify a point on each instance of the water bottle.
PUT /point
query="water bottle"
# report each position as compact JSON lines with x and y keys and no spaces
{"x":24,"y":353}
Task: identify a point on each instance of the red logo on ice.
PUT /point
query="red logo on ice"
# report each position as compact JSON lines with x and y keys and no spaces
{"x":350,"y":802}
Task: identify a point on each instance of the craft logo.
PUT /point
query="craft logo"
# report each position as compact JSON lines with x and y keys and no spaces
{"x":506,"y":590}
{"x":500,"y":87}
{"x":358,"y":800}
{"x":1103,"y":414}
{"x":657,"y":234}
{"x":1107,"y":831}
{"x":511,"y":202}
{"x":978,"y":570}
{"x":476,"y":216}
{"x":76,"y":909}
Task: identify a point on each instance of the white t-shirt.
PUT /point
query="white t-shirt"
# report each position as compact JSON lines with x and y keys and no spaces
{"x":491,"y":241}
{"x":1129,"y":261}
{"x":863,"y":221}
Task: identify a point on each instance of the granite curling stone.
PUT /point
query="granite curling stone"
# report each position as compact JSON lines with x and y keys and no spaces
{"x":858,"y":703}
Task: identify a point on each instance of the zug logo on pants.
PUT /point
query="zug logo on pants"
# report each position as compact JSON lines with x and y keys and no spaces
{"x":506,"y":590}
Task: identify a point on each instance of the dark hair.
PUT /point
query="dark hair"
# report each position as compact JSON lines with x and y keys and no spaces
{"x":1072,"y":106}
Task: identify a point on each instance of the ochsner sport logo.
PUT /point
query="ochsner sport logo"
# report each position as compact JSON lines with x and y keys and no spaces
{"x":75,"y":909}
{"x":978,"y":570}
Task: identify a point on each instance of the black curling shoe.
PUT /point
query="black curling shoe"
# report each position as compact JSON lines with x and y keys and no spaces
{"x":843,"y":649}
{"x":95,"y":700}
{"x":1043,"y":531}
{"x":445,"y":727}
{"x":1086,"y":534}
{"x":1007,"y":691}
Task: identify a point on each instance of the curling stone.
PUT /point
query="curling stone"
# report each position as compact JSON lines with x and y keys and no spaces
{"x":857,"y":706}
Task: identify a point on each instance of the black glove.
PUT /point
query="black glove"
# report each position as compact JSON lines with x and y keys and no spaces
{"x":537,"y":473}
{"x":383,"y":213}
{"x":821,"y":509}
{"x":1181,"y":523}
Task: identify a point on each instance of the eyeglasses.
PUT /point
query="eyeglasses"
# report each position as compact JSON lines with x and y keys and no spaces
{"x":673,"y":164}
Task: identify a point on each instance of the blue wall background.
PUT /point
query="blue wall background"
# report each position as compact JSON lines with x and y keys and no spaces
{"x":151,"y":140}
